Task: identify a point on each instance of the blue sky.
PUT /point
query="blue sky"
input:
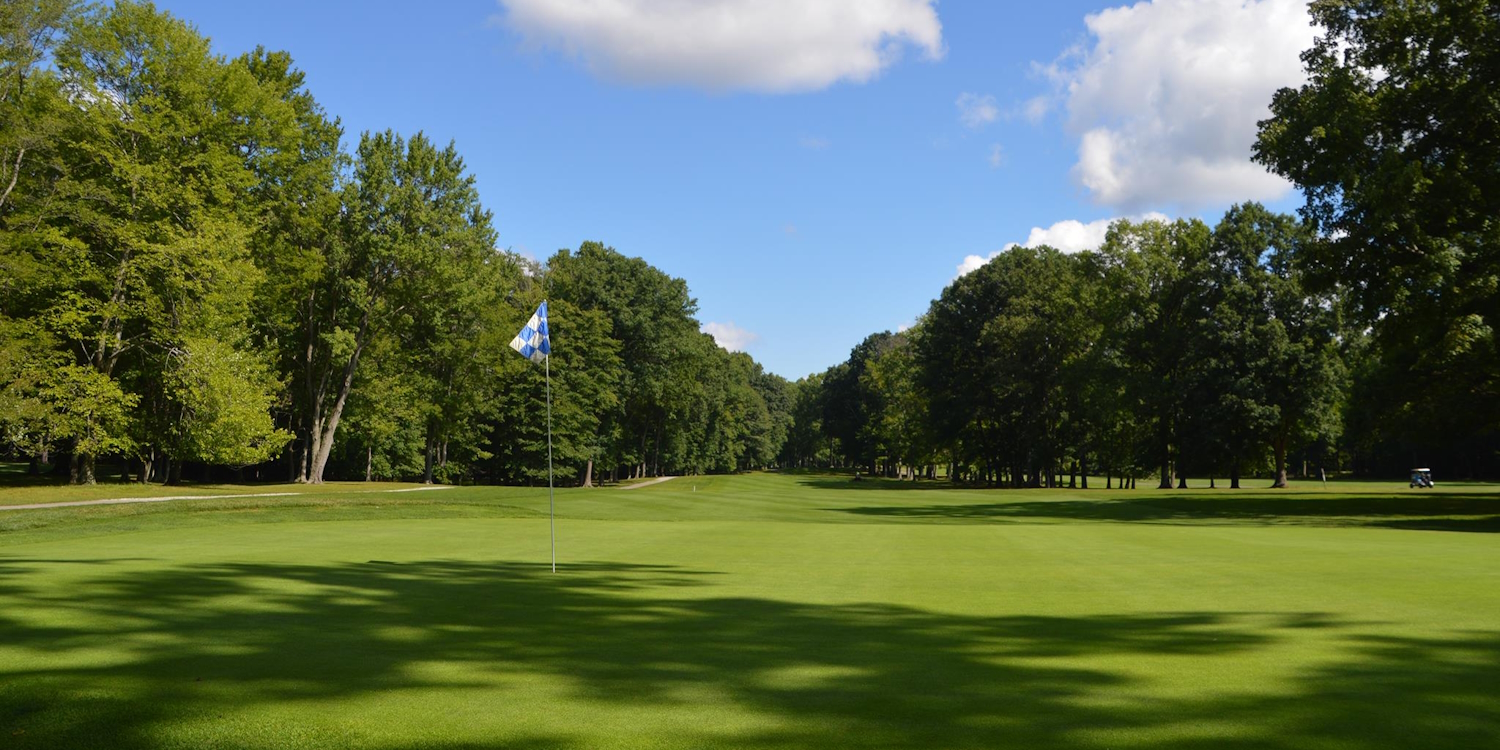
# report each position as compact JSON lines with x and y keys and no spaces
{"x":815,"y":171}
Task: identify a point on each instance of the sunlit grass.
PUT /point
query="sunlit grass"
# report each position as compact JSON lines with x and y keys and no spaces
{"x":757,"y":611}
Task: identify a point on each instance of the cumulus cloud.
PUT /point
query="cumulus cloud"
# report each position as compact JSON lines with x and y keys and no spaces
{"x":1069,"y":236}
{"x":996,"y":157}
{"x":1165,"y":97}
{"x":976,"y":111}
{"x":730,"y":336}
{"x":722,"y":45}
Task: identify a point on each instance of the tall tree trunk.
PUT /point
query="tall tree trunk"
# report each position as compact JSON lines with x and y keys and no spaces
{"x":324,"y":437}
{"x":429,"y":457}
{"x":1280,"y":446}
{"x":1234,"y":475}
{"x":369,"y":463}
{"x":82,"y":469}
{"x":1164,"y":446}
{"x":588,"y":474}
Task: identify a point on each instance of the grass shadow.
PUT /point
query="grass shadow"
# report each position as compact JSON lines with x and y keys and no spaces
{"x":191,"y":643}
{"x":1478,"y":512}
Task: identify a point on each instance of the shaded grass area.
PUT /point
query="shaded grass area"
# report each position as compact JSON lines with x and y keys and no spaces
{"x":1467,"y":512}
{"x":274,"y":655}
{"x":1468,"y":506}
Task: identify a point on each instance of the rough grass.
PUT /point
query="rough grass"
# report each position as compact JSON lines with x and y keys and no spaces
{"x":759,"y":611}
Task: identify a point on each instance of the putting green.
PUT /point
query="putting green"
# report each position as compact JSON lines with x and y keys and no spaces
{"x":762,"y":611}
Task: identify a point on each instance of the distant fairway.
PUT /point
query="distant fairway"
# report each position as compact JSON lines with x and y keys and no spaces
{"x":759,"y":611}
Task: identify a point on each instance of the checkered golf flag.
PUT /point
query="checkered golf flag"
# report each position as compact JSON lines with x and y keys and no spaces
{"x":533,"y":341}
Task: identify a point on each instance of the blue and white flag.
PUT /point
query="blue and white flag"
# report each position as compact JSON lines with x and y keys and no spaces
{"x":533,"y":341}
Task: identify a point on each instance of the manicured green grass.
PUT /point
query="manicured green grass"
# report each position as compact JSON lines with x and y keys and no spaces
{"x":758,"y":611}
{"x":17,"y":488}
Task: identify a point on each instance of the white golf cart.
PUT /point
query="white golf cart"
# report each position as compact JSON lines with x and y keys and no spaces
{"x":1422,"y":478}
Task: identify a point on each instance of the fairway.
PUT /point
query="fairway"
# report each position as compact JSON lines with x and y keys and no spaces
{"x":757,"y":611}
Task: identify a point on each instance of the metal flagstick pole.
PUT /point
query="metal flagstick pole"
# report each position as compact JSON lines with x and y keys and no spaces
{"x":551,"y":512}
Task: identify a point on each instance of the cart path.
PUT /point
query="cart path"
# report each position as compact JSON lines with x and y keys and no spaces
{"x":127,"y":500}
{"x":657,"y":480}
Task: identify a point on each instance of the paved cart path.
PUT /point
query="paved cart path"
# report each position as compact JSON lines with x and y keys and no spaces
{"x":657,"y":480}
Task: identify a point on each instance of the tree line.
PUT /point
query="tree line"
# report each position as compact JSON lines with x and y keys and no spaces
{"x":1175,"y":348}
{"x":195,"y":272}
{"x":1360,"y":335}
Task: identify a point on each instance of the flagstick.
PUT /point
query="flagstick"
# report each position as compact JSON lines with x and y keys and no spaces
{"x":551,"y":512}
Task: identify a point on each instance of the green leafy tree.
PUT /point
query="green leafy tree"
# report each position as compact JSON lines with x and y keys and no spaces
{"x":851,"y":407}
{"x":296,"y":195}
{"x":586,"y":369}
{"x":225,"y":396}
{"x":994,"y":353}
{"x":411,"y":222}
{"x":144,"y":225}
{"x":1393,"y":141}
{"x":652,"y":312}
{"x":1157,"y":279}
{"x":33,"y":105}
{"x":901,"y":427}
{"x":807,"y":444}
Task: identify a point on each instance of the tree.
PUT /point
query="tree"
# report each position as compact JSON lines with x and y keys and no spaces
{"x":225,"y":398}
{"x":136,"y":238}
{"x":851,"y":407}
{"x":806,"y":443}
{"x":901,"y":427}
{"x":297,"y":196}
{"x":1158,"y":284}
{"x":651,"y":314}
{"x":411,"y":223}
{"x":1394,"y":141}
{"x":31,"y":100}
{"x":994,"y":351}
{"x":586,"y":371}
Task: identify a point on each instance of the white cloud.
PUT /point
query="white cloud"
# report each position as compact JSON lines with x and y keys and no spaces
{"x":996,"y":157}
{"x":721,"y":45}
{"x":976,"y":111}
{"x":1069,"y":236}
{"x":1166,"y":99}
{"x":972,"y":263}
{"x":1036,"y":108}
{"x":730,"y":336}
{"x":812,"y":142}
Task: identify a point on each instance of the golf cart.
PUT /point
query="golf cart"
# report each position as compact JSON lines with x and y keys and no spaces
{"x":1422,"y":478}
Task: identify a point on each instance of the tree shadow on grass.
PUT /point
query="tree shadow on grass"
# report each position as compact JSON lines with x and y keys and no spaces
{"x":1457,"y":512}
{"x":149,"y":653}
